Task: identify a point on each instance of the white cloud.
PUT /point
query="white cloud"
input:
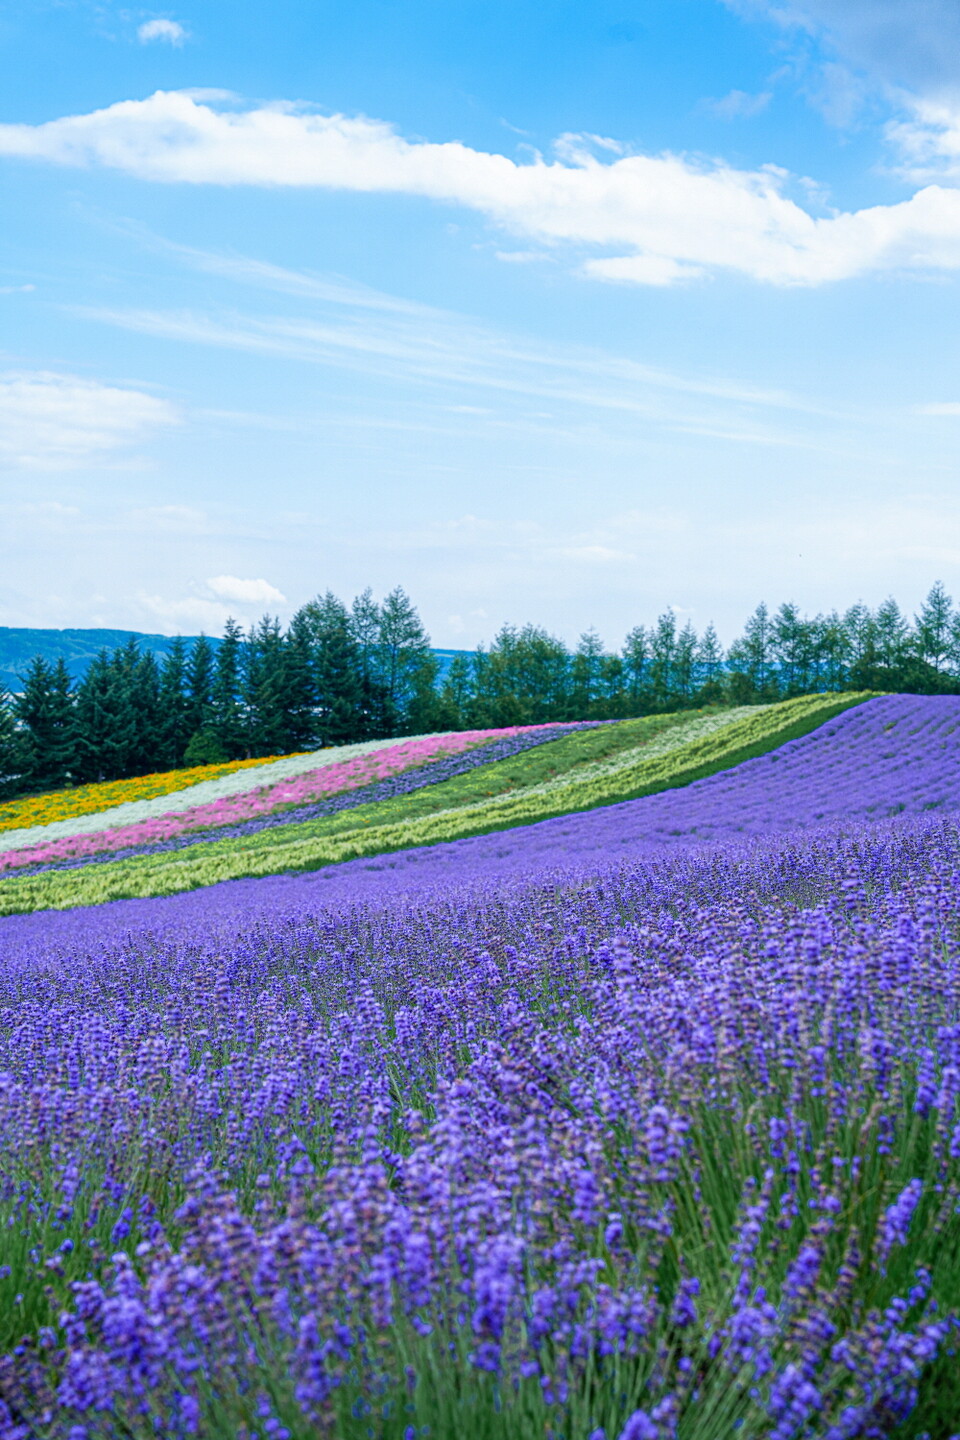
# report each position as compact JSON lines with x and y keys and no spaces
{"x":51,"y":421}
{"x":947,"y":407}
{"x":246,"y":592}
{"x":663,"y":216}
{"x":16,"y":289}
{"x":169,"y":32}
{"x":738,"y":105}
{"x":912,"y":43}
{"x":450,"y":351}
{"x":929,"y":140}
{"x":182,"y":616}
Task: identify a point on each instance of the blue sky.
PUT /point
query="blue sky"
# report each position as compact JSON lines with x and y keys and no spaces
{"x":556,"y":312}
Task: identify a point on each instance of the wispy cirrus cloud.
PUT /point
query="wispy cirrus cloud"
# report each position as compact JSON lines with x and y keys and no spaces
{"x":452,"y":352}
{"x":657,"y":219}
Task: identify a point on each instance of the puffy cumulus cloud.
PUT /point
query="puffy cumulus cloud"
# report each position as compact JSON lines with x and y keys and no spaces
{"x":176,"y":617}
{"x":169,"y":32}
{"x":52,"y":421}
{"x":664,"y":217}
{"x":929,"y":140}
{"x":245,"y":592}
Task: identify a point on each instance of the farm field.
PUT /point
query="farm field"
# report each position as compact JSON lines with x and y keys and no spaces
{"x":598,"y":1084}
{"x":593,"y":766}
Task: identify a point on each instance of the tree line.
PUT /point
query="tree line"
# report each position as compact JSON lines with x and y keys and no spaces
{"x":366,"y":671}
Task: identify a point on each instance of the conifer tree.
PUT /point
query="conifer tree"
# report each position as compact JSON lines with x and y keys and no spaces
{"x":341,"y":675}
{"x":403,"y":649}
{"x":663,"y":655}
{"x":792,"y":650}
{"x":94,"y":720}
{"x":750,"y":660}
{"x":198,"y":684}
{"x":456,"y":694}
{"x":174,"y":725}
{"x":380,"y":718}
{"x":636,"y":669}
{"x":586,"y":671}
{"x":9,"y":747}
{"x":684,"y":665}
{"x":227,"y":719}
{"x":708,"y":666}
{"x":264,"y":684}
{"x":299,"y":689}
{"x":892,"y":636}
{"x":125,"y":749}
{"x":934,"y":627}
{"x":45,"y":714}
{"x":145,"y":686}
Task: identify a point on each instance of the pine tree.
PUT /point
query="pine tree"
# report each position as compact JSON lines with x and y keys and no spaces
{"x":892,"y":636}
{"x":264,"y":684}
{"x":125,"y":734}
{"x":708,"y":667}
{"x":425,"y":714}
{"x":380,"y":718}
{"x":299,"y":689}
{"x":793,"y":650}
{"x":227,"y":718}
{"x":934,"y":627}
{"x":636,"y":670}
{"x":45,"y":714}
{"x":9,"y":747}
{"x":93,"y":720}
{"x":663,"y":647}
{"x":198,"y":682}
{"x":457,"y":694}
{"x":684,"y":665}
{"x":586,"y":670}
{"x":833,"y":653}
{"x":402,"y":647}
{"x":523,"y":679}
{"x":174,"y":705}
{"x":750,"y":660}
{"x":145,"y":691}
{"x":341,"y":675}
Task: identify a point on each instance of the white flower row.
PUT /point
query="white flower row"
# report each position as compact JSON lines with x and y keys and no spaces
{"x":683,"y":734}
{"x":240,"y":782}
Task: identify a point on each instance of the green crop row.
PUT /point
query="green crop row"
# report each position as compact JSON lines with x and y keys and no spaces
{"x":451,"y":810}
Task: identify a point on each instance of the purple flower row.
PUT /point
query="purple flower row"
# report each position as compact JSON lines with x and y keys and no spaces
{"x":475,"y":1121}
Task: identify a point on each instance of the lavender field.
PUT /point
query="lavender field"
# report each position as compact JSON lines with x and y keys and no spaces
{"x":634,"y":1124}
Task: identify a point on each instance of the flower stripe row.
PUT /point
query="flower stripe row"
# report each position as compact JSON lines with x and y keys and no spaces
{"x":259,"y":775}
{"x":359,"y":773}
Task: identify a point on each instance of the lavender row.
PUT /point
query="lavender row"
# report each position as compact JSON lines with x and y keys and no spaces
{"x":619,"y":1152}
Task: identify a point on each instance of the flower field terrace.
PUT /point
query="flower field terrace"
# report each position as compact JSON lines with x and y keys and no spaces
{"x":564,"y":776}
{"x":383,"y":767}
{"x":234,"y":789}
{"x":664,"y":1148}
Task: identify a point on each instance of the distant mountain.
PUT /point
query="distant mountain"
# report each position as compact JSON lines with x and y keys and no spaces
{"x":78,"y":648}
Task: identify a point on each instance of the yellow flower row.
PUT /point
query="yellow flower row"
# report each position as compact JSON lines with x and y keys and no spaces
{"x":88,"y":799}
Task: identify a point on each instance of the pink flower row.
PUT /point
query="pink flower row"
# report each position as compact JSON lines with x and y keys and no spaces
{"x":233,"y":809}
